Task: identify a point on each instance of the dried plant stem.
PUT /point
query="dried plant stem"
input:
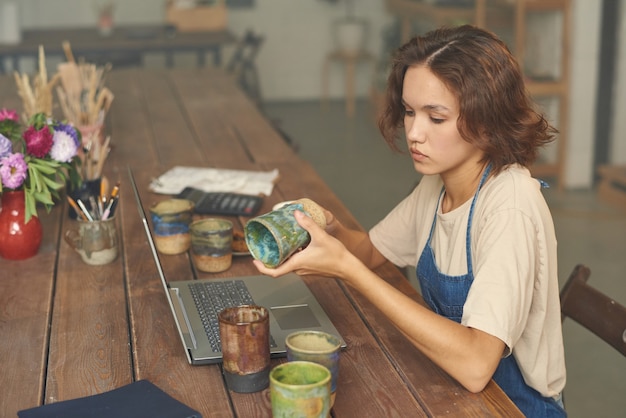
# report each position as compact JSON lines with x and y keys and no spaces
{"x":94,"y":158}
{"x":85,"y":100}
{"x":38,"y":98}
{"x":68,"y":52}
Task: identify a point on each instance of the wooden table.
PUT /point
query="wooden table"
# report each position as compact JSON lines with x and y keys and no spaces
{"x":70,"y":330}
{"x":124,"y":46}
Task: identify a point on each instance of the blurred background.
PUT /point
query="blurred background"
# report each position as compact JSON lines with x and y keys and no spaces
{"x":318,"y":71}
{"x":299,"y":36}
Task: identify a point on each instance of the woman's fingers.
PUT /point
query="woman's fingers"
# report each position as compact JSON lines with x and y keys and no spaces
{"x":306,"y":222}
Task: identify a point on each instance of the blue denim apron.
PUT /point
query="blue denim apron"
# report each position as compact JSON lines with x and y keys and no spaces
{"x":446,"y":295}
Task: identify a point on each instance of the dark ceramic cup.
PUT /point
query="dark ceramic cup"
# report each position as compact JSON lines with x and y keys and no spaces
{"x":245,"y":339}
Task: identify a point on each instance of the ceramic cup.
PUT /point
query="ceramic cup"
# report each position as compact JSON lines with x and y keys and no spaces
{"x":275,"y":236}
{"x":211,"y":244}
{"x":300,"y":389}
{"x":95,"y":241}
{"x":245,"y":339}
{"x":319,"y":347}
{"x":170,"y":220}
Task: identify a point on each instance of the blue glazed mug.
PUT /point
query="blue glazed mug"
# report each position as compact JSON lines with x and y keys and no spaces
{"x":273,"y":237}
{"x":170,"y":220}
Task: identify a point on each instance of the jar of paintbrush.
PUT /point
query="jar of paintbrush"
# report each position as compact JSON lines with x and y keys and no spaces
{"x":93,"y":192}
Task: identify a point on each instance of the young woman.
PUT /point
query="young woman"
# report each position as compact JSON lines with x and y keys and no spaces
{"x":476,"y":227}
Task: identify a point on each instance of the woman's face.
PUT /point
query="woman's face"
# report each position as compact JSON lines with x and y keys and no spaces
{"x":430,"y":124}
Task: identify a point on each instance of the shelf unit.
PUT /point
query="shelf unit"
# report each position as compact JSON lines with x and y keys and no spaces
{"x":513,"y":16}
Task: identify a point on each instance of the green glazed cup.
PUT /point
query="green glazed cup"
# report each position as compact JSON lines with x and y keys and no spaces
{"x":273,"y":237}
{"x":276,"y":235}
{"x":319,"y":347}
{"x":300,"y":389}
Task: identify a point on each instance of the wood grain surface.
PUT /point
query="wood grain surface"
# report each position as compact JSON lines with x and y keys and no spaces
{"x":71,"y":330}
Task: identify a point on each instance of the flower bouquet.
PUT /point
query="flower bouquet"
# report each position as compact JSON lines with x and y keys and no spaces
{"x":39,"y":159}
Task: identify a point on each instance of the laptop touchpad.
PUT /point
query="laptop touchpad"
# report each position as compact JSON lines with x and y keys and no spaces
{"x":295,"y":317}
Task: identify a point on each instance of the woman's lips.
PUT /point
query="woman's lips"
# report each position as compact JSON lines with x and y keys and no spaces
{"x":417,"y":156}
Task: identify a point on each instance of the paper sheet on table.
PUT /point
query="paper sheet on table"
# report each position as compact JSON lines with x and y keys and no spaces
{"x":215,"y":180}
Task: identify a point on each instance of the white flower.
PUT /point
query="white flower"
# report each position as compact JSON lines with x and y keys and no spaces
{"x":63,"y":148}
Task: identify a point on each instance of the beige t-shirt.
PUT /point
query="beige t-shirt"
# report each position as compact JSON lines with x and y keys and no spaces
{"x":515,"y":294}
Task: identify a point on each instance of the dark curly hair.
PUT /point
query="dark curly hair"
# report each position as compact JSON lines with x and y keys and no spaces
{"x":496,"y":111}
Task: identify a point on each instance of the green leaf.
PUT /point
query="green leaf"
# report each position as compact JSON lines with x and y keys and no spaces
{"x":33,"y":180}
{"x":52,"y":183}
{"x":47,"y":167}
{"x":55,"y":195}
{"x":30,"y":206}
{"x":38,"y":120}
{"x":43,"y":197}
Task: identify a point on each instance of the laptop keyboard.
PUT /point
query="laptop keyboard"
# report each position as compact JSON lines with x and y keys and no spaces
{"x":211,"y":298}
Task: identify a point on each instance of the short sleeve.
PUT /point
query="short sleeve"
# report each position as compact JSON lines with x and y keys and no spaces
{"x":402,"y":234}
{"x":500,"y":298}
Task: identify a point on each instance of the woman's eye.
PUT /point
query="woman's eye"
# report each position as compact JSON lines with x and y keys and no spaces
{"x":409,"y":112}
{"x":436,"y":121}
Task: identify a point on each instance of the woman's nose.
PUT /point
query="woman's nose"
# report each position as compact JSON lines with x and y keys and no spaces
{"x":414,"y":131}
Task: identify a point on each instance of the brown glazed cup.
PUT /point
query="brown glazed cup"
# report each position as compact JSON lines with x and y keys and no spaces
{"x":245,"y":338}
{"x":212,"y":244}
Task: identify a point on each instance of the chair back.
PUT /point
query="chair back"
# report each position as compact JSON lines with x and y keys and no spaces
{"x":593,"y":309}
{"x":242,"y":64}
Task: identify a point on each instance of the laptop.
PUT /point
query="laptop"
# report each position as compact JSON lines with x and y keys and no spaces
{"x":195,"y":304}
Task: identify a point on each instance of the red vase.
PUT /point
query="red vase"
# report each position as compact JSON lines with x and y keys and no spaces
{"x":17,"y":239}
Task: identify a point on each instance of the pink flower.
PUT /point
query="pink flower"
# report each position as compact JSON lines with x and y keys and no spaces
{"x":8,"y":114}
{"x":13,"y":170}
{"x":38,"y":142}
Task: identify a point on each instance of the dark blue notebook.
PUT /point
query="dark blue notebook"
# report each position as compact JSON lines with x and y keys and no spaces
{"x":141,"y":399}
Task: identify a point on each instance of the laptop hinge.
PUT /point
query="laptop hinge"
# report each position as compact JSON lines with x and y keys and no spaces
{"x":183,"y":324}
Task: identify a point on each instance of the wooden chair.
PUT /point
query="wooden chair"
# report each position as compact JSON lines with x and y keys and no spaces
{"x":594,"y":310}
{"x":242,"y":65}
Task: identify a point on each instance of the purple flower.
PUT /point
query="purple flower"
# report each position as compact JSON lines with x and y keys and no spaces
{"x":9,"y":114}
{"x":69,"y":130}
{"x":13,"y":170}
{"x":64,"y":146}
{"x":38,"y":142}
{"x":5,"y":146}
